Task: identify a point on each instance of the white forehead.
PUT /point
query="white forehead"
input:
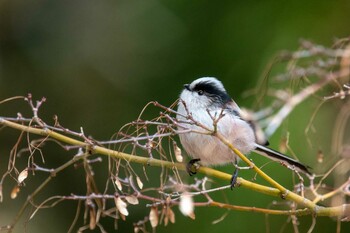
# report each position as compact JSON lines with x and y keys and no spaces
{"x":211,"y":80}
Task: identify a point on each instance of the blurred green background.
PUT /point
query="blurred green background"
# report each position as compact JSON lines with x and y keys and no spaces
{"x":99,"y":62}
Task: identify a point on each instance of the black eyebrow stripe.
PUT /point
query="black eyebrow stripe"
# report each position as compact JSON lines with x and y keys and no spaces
{"x":212,"y":90}
{"x":207,"y":87}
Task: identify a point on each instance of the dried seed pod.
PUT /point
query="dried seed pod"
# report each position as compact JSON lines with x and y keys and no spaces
{"x":22,"y":176}
{"x":178,"y":154}
{"x":118,"y":184}
{"x":139,"y":182}
{"x":169,"y":216}
{"x":186,"y":205}
{"x":121,"y":206}
{"x":14,"y":192}
{"x":153,"y":217}
{"x":132,"y":200}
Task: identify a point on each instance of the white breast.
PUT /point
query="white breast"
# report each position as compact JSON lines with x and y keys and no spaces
{"x":209,"y":149}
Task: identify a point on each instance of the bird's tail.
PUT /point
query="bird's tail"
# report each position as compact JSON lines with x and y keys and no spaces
{"x":277,"y":156}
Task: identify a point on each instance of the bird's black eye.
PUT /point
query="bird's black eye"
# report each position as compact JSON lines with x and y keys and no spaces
{"x":200,"y":92}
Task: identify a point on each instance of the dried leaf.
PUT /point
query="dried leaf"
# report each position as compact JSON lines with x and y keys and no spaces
{"x":178,"y":154}
{"x":132,"y":200}
{"x":186,"y":205}
{"x":166,"y":219}
{"x":121,"y":206}
{"x":22,"y":176}
{"x":153,"y":217}
{"x":171,"y":215}
{"x":14,"y":192}
{"x":118,"y":183}
{"x":139,"y":182}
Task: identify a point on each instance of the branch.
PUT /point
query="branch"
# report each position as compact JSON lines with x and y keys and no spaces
{"x":296,"y":99}
{"x":279,"y":191}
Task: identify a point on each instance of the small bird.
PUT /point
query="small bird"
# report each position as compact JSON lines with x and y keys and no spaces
{"x":205,"y":99}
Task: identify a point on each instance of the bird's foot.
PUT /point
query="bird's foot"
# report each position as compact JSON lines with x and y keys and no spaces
{"x":234,"y":178}
{"x":192,"y":166}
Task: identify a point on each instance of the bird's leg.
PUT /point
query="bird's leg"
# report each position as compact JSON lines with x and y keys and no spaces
{"x":192,"y":166}
{"x":234,"y":176}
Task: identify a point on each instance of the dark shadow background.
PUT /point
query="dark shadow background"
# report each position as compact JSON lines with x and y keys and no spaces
{"x":99,"y":62}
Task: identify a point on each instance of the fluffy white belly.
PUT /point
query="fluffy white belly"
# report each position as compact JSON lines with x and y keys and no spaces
{"x":209,"y":149}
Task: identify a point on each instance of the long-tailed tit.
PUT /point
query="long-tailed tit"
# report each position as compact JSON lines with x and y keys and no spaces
{"x":206,"y":99}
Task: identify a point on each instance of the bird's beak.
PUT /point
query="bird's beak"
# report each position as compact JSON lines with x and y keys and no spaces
{"x":187,"y":87}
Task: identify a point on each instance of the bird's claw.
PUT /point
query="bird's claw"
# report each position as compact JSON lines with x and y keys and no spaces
{"x":192,"y":166}
{"x":234,"y":179}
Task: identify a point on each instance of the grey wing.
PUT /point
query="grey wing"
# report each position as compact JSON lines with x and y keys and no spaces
{"x":247,"y":116}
